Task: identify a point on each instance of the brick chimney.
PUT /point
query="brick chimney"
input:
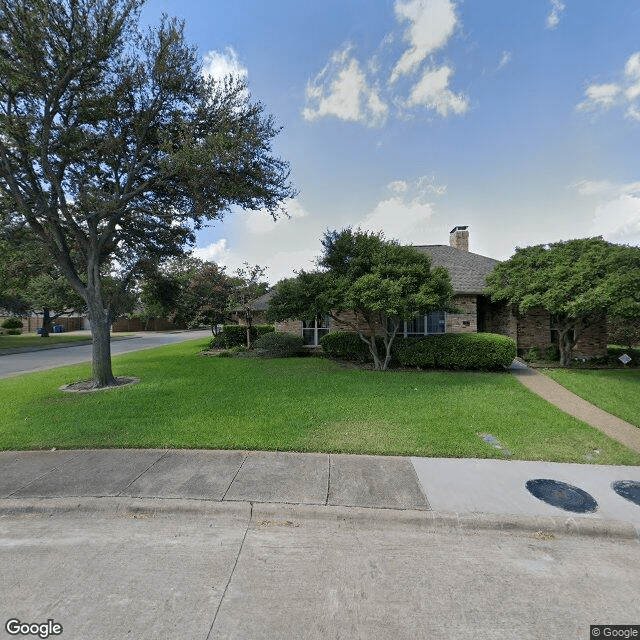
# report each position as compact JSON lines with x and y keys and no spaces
{"x":459,"y":238}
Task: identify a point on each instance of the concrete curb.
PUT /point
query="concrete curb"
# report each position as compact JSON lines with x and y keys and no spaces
{"x":280,"y":514}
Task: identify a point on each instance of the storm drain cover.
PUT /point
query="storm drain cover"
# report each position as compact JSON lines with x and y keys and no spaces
{"x":562,"y":495}
{"x":629,"y":489}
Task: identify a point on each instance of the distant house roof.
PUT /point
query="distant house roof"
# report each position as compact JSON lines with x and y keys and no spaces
{"x":468,"y":270}
{"x":261,"y":303}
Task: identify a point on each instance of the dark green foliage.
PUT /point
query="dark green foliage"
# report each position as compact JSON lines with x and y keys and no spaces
{"x":532,"y":354}
{"x":235,"y":335}
{"x":346,"y":345}
{"x":485,"y":351}
{"x":12,"y":323}
{"x":276,"y":344}
{"x":624,"y":331}
{"x":614,"y":352}
{"x":14,"y":332}
{"x":551,"y":353}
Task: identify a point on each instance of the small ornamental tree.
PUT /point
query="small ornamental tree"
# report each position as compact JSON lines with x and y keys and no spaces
{"x":114,"y":146}
{"x":367,"y":283}
{"x":577,"y":282}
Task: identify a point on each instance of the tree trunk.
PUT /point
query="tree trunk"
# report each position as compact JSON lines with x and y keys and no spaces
{"x":101,"y":336}
{"x":566,"y":343}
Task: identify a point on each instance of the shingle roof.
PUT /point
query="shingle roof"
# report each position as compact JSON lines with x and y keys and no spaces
{"x":468,"y":270}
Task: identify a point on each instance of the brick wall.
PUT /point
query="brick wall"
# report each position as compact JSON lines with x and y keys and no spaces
{"x":534,"y":329}
{"x":465,"y":322}
{"x":290,"y":326}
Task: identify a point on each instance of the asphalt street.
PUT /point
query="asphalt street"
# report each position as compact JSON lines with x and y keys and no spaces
{"x":40,"y":359}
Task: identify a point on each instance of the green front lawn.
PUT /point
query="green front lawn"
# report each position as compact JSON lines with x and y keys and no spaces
{"x":615,"y":391}
{"x":309,"y":404}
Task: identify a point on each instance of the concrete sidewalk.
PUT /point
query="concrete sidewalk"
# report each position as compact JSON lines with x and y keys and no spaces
{"x":468,"y":493}
{"x":556,"y":394}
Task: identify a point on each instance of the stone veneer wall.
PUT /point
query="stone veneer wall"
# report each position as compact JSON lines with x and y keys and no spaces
{"x":289,"y":326}
{"x":467,"y":321}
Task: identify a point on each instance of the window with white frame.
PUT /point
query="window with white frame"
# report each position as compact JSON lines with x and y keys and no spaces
{"x":423,"y":325}
{"x":314,"y":330}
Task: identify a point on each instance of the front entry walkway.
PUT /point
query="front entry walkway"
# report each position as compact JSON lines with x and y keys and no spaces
{"x":577,"y":407}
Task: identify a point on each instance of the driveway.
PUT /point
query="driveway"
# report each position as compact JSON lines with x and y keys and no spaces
{"x":40,"y":359}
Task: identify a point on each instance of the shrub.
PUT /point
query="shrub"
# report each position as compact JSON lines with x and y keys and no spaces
{"x":347,"y":345}
{"x":261,"y":329}
{"x":533,"y":354}
{"x":12,"y":323}
{"x":279,"y":345}
{"x":551,"y":353}
{"x":13,"y":332}
{"x":474,"y":351}
{"x":235,"y":335}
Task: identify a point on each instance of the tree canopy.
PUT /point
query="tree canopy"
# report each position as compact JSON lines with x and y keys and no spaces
{"x":379,"y":281}
{"x":114,"y":147}
{"x":576,"y":281}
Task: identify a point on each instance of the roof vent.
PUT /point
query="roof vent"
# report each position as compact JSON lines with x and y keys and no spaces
{"x":459,"y":238}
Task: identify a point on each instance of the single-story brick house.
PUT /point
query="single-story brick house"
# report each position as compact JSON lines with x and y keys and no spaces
{"x":478,"y":314}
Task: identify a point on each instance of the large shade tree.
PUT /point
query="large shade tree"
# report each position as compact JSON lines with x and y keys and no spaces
{"x":114,"y":147}
{"x":576,"y":281}
{"x":368,"y":283}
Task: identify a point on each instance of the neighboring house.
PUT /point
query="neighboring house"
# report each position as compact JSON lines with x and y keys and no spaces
{"x":477,"y":313}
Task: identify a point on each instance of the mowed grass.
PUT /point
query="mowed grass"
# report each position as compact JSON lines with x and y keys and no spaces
{"x":187,"y":401}
{"x":615,"y":391}
{"x":32,"y":340}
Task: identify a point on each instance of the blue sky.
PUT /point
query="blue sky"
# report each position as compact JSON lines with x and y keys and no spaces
{"x":518,"y":119}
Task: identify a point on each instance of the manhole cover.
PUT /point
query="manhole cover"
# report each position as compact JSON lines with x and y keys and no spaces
{"x":629,"y":489}
{"x":562,"y":495}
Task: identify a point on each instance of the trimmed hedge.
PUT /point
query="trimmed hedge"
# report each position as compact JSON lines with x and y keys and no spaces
{"x":12,"y":323}
{"x":346,"y":345}
{"x":485,"y":351}
{"x":279,"y":344}
{"x":235,"y":335}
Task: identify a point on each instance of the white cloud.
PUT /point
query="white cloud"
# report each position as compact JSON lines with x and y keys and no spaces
{"x":431,"y":24}
{"x":399,"y":219}
{"x":404,"y":215}
{"x":220,"y":64}
{"x":398,"y":186}
{"x":433,"y":92}
{"x":342,"y":90}
{"x":505,"y":59}
{"x":219,"y":253}
{"x":625,"y":93}
{"x":360,"y":92}
{"x":262,"y":222}
{"x":553,"y":19}
{"x":617,"y":209}
{"x":618,"y":220}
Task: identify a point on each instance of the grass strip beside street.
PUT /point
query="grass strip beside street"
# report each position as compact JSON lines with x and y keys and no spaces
{"x":298,"y":404}
{"x":30,"y":341}
{"x":615,"y":391}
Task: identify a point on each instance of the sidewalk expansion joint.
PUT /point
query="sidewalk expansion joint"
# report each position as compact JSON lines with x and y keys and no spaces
{"x":235,"y":564}
{"x":224,"y":495}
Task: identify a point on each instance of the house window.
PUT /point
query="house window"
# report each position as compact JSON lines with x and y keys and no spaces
{"x":314,"y":330}
{"x":424,"y":325}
